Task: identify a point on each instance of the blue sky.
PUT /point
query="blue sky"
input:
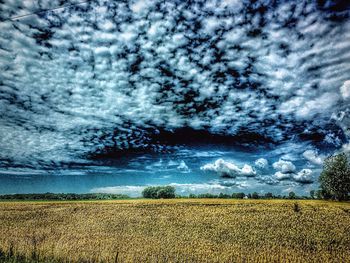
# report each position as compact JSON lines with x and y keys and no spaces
{"x":207,"y":86}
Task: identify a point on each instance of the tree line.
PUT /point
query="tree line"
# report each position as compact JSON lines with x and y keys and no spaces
{"x":153,"y":192}
{"x":62,"y":196}
{"x":166,"y":192}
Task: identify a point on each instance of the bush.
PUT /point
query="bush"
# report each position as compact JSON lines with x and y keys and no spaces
{"x":157,"y":192}
{"x":296,"y":207}
{"x":335,"y":178}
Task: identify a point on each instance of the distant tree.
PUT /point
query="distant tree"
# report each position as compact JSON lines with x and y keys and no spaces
{"x":192,"y":196}
{"x":249,"y":196}
{"x":222,"y":195}
{"x":166,"y":192}
{"x":255,"y":195}
{"x":292,"y":195}
{"x":149,"y":192}
{"x":335,"y":177}
{"x":269,"y":195}
{"x":207,"y":195}
{"x":239,"y":195}
{"x":157,"y":192}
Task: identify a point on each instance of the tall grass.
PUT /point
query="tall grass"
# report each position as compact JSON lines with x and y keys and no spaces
{"x":179,"y":230}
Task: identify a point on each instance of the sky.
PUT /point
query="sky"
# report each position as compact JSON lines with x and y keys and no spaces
{"x":207,"y":96}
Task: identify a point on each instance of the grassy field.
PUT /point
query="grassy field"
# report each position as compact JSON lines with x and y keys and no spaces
{"x":178,"y":230}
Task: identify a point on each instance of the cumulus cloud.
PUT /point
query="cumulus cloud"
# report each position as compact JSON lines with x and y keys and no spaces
{"x":228,"y":169}
{"x":313,"y":157}
{"x":261,"y":163}
{"x":345,"y":90}
{"x":287,"y":170}
{"x":284,"y":167}
{"x":282,"y":176}
{"x":346,"y":148}
{"x":304,"y":176}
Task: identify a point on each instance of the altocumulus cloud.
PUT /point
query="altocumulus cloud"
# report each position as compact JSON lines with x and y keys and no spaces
{"x":109,"y":76}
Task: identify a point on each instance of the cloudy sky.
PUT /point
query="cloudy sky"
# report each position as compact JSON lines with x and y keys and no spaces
{"x":210,"y":96}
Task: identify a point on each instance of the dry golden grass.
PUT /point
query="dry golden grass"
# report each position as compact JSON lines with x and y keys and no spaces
{"x":179,"y":230}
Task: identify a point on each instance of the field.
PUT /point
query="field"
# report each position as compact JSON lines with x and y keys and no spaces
{"x":177,"y":230}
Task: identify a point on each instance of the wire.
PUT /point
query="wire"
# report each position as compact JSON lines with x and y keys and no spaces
{"x":46,"y":10}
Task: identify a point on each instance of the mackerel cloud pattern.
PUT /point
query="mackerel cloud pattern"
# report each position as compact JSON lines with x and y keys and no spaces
{"x":119,"y":76}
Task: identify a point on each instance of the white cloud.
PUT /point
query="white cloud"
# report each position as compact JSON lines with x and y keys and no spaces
{"x":284,"y":166}
{"x":130,"y":190}
{"x":140,"y":6}
{"x":346,"y":148}
{"x":214,"y":188}
{"x":236,"y":5}
{"x":282,"y":176}
{"x":182,"y":167}
{"x":306,"y":108}
{"x":261,"y":163}
{"x":313,"y":157}
{"x":303,"y":176}
{"x":211,"y":24}
{"x":345,"y":90}
{"x":247,"y":170}
{"x":228,"y":169}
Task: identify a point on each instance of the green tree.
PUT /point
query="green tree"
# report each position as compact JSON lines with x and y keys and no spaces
{"x":238,"y":195}
{"x":255,"y":195}
{"x":166,"y":192}
{"x":157,"y":192}
{"x":149,"y":192}
{"x":268,"y":195}
{"x":312,"y":194}
{"x":292,"y":195}
{"x":335,"y":177}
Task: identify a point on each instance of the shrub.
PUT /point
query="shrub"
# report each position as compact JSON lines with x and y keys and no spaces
{"x":296,"y":207}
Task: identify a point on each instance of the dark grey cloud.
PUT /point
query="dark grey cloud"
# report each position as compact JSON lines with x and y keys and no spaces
{"x":109,"y":77}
